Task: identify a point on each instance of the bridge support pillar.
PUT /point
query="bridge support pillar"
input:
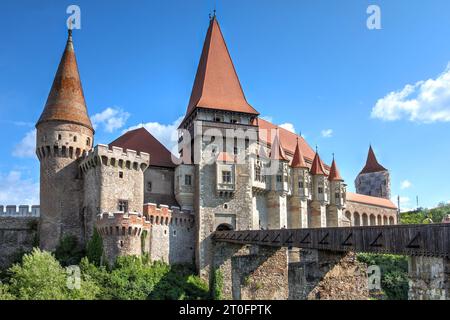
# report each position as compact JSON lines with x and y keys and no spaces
{"x":327,"y":275}
{"x":429,"y":278}
{"x":249,"y":272}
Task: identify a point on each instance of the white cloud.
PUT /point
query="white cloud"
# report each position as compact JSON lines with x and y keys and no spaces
{"x":167,"y":134}
{"x":16,"y":190}
{"x":288,"y":126}
{"x":404,"y":200}
{"x":425,"y":101}
{"x":328,"y":133}
{"x":110,"y":119}
{"x":406,"y":184}
{"x":26,"y":147}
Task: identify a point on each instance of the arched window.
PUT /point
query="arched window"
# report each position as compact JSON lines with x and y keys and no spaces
{"x":348,"y":215}
{"x":365,"y":219}
{"x":391,"y":221}
{"x":380,"y":220}
{"x":88,"y":142}
{"x":373,"y":220}
{"x":385,"y":220}
{"x":357,"y":219}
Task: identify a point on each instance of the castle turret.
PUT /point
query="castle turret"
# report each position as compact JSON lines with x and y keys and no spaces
{"x":319,"y":194}
{"x":300,"y":186}
{"x":123,"y":234}
{"x":64,"y":134}
{"x":373,"y":180}
{"x":337,"y":197}
{"x":277,"y":196}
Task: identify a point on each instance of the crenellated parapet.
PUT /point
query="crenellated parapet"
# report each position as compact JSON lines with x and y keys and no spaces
{"x":162,"y":215}
{"x":115,"y":157}
{"x":19,"y":211}
{"x":122,"y":234}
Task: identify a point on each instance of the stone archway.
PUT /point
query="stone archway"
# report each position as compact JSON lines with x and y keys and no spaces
{"x":224,"y":227}
{"x":357,"y":219}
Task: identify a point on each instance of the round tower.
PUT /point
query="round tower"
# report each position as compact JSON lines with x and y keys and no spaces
{"x":64,"y":134}
{"x":123,"y":234}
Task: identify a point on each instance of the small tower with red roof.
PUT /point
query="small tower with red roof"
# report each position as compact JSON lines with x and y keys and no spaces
{"x":279,"y":187}
{"x":300,"y":186}
{"x":374,"y":179}
{"x":337,"y":197}
{"x":320,"y":196}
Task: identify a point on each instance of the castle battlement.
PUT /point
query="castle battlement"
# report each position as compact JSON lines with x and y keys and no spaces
{"x":115,"y":157}
{"x":20,"y":211}
{"x":122,"y":224}
{"x":162,"y":215}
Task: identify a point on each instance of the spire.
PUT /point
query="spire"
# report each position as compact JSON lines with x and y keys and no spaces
{"x":317,"y":166}
{"x":372,"y":164}
{"x":66,"y":99}
{"x":334,"y":172}
{"x":276,"y":151}
{"x":216,"y":84}
{"x":298,"y":161}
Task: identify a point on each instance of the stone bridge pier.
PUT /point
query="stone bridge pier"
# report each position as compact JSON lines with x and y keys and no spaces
{"x":255,"y":272}
{"x":429,"y":278}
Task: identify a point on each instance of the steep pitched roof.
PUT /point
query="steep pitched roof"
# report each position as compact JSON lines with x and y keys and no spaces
{"x":216,"y":84}
{"x":141,"y":140}
{"x":334,"y":173}
{"x":277,"y":151}
{"x":375,"y":201}
{"x":66,"y":99}
{"x":268,"y":130}
{"x":372,"y":164}
{"x":317,"y":166}
{"x":298,"y":161}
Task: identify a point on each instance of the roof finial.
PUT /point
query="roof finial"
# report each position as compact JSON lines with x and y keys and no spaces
{"x":317,"y":149}
{"x":70,"y":30}
{"x":333,"y":156}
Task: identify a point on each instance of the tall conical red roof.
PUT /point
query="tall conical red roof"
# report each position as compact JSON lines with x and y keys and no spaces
{"x":317,"y":166}
{"x":276,"y":150}
{"x":298,"y":160}
{"x":216,"y":84}
{"x":372,"y":164}
{"x":66,"y":99}
{"x":334,"y":173}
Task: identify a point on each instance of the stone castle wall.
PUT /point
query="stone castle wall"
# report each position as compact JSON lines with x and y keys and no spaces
{"x":361,"y":214}
{"x":171,"y":234}
{"x":18,"y":234}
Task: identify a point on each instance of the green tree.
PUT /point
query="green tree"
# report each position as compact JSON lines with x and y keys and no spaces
{"x":94,"y":249}
{"x":41,"y":277}
{"x":4,"y":292}
{"x":69,"y":252}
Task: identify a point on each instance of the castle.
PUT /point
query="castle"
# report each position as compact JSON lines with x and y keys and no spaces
{"x":234,"y":171}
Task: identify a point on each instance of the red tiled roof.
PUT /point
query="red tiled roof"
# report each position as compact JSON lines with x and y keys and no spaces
{"x":66,"y":99}
{"x":268,"y":131}
{"x":317,"y":166}
{"x":375,"y":201}
{"x":277,"y":151}
{"x":372,"y":164}
{"x":141,"y":140}
{"x":216,"y":84}
{"x":334,"y":173}
{"x":298,"y":161}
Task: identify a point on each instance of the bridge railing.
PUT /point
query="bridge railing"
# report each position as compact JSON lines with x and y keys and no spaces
{"x":413,"y":240}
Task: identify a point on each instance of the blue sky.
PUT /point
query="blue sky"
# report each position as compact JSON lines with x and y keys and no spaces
{"x":312,"y":65}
